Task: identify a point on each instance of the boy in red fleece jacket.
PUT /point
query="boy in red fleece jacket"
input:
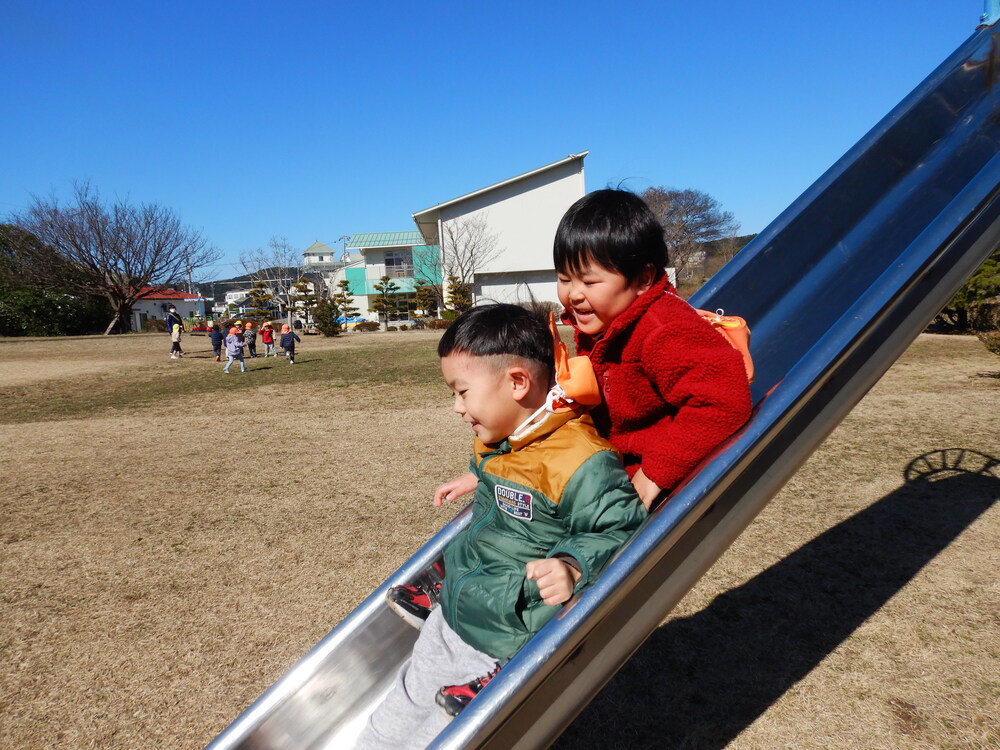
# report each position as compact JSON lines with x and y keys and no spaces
{"x":673,"y":387}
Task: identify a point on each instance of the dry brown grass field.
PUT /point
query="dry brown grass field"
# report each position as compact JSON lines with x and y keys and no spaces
{"x":173,"y":539}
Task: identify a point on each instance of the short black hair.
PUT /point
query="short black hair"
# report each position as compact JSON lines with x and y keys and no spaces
{"x":615,"y":229}
{"x":499,"y":330}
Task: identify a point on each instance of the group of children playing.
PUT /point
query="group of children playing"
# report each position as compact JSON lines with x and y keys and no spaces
{"x":558,"y":489}
{"x":240,"y":338}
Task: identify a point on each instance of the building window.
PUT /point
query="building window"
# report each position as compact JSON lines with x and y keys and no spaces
{"x":406,"y":306}
{"x":399,"y":264}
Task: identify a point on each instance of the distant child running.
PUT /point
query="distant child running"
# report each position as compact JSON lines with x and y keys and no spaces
{"x":553,"y":505}
{"x":673,"y":388}
{"x":250,"y":340}
{"x":234,"y":349}
{"x":175,"y":345}
{"x":173,"y":318}
{"x":267,"y":338}
{"x":218,"y":338}
{"x":288,"y":339}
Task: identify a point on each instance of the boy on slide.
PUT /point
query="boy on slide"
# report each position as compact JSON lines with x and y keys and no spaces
{"x":553,"y":504}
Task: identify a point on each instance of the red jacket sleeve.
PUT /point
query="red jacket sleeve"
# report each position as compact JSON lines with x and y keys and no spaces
{"x":702,"y":379}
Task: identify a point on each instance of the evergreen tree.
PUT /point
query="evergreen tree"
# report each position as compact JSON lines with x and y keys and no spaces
{"x":302,"y":298}
{"x":31,"y":304}
{"x":459,"y":294}
{"x":343,"y":300}
{"x":384,"y":302}
{"x":984,"y":285}
{"x":261,"y":301}
{"x":325,"y":317}
{"x":426,"y":298}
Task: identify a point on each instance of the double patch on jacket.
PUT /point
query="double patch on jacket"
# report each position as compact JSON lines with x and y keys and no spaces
{"x":516,"y":503}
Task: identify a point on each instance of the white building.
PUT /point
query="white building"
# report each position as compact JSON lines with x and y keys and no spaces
{"x":153,"y":303}
{"x":519,"y":217}
{"x":236,"y":296}
{"x":402,"y":256}
{"x":319,"y":258}
{"x":521,"y":214}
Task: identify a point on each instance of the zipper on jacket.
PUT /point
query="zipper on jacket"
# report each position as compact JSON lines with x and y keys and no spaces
{"x":473,"y":540}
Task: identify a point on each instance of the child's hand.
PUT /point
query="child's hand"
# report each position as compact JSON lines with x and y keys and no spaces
{"x":454,"y":489}
{"x":645,"y":488}
{"x":555,"y":579}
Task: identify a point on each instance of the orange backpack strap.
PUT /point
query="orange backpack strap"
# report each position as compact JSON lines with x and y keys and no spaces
{"x":734,"y":330}
{"x":574,"y":374}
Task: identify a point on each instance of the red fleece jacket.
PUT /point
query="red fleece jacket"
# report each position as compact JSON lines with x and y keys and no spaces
{"x":673,"y":387}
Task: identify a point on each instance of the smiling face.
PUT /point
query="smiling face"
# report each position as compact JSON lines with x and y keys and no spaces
{"x":488,"y":396}
{"x":595,"y":295}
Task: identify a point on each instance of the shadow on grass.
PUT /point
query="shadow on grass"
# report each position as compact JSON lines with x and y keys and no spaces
{"x":699,"y":681}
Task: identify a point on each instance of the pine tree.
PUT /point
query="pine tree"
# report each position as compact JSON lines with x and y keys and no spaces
{"x":343,"y":300}
{"x":325,"y":317}
{"x":984,"y":285}
{"x":459,"y":294}
{"x":384,"y":304}
{"x":302,"y":299}
{"x":261,"y":301}
{"x":426,"y":298}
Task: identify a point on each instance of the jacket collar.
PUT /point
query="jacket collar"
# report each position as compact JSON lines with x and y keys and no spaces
{"x":548,"y":424}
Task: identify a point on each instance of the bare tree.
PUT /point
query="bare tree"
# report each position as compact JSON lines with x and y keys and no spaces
{"x":467,"y":246}
{"x":322,"y":287}
{"x":115,"y":250}
{"x":280,"y":266}
{"x":689,"y":218}
{"x":729,"y":245}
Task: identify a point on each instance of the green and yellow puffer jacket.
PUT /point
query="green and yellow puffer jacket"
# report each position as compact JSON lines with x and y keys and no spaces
{"x":559,"y":490}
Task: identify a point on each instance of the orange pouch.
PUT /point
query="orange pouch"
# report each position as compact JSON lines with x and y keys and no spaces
{"x":574,"y":374}
{"x":734,"y":330}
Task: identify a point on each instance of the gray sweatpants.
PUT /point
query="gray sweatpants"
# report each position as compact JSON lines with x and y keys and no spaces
{"x":409,"y":717}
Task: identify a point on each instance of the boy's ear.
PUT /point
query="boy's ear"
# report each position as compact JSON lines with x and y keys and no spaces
{"x":645,"y":279}
{"x":520,"y":381}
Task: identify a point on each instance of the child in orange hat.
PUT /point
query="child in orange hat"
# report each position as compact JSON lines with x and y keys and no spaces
{"x":250,"y":339}
{"x":234,"y":349}
{"x":288,"y":339}
{"x":267,"y":337}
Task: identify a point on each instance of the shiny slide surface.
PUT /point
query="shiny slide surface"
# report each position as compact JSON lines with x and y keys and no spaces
{"x":835,"y":289}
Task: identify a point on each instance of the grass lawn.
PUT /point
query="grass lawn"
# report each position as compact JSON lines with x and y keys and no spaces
{"x":174,"y":539}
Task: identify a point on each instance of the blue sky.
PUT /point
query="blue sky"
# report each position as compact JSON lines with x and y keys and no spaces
{"x":311,"y":120}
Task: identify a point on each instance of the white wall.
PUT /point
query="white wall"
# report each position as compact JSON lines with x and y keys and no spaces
{"x":523,"y":216}
{"x":156,"y":308}
{"x":513,"y":287}
{"x":360,"y":300}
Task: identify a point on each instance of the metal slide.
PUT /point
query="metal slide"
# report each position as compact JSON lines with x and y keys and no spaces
{"x":835,"y":290}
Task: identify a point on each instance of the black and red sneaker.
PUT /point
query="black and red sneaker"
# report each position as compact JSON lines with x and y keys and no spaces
{"x":414,"y":602}
{"x":453,"y":698}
